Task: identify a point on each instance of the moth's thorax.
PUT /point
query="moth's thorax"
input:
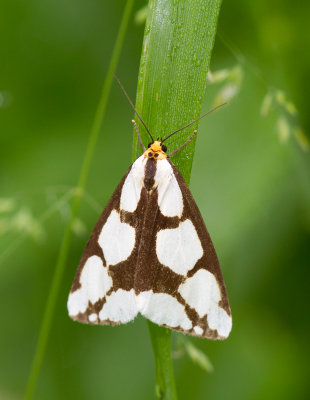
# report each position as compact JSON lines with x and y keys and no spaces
{"x":155,"y":151}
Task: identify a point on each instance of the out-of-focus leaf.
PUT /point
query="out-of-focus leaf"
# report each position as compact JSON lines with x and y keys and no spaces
{"x":7,"y":204}
{"x":282,"y":99}
{"x":186,"y":347}
{"x":283,"y":129}
{"x":227,"y":93}
{"x":198,"y":356}
{"x":233,"y":80}
{"x":218,"y":76}
{"x":78,"y":227}
{"x":24,"y":222}
{"x":302,"y":139}
{"x":266,"y":105}
{"x":141,"y":15}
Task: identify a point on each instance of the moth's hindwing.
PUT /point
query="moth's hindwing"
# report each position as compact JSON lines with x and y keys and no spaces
{"x":150,"y":252}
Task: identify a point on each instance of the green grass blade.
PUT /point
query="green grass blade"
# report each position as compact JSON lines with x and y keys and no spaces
{"x":64,"y":249}
{"x":178,"y":42}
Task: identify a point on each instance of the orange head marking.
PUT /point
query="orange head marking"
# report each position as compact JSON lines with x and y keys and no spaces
{"x":156,"y":150}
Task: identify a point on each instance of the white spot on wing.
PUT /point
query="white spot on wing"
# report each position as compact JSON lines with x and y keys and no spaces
{"x":95,"y":282}
{"x":131,"y":189}
{"x":92,"y":317}
{"x":179,"y":248}
{"x":170,"y":199}
{"x":202,"y":293}
{"x":219,"y":319}
{"x":163,"y":309}
{"x":198,"y":330}
{"x":116,"y":239}
{"x":120,"y":307}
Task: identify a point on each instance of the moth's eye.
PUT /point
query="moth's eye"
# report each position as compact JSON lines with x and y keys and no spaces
{"x":164,"y":148}
{"x":156,"y":155}
{"x":150,"y":154}
{"x":149,"y":145}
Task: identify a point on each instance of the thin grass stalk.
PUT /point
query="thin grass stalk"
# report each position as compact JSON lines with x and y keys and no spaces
{"x":66,"y":242}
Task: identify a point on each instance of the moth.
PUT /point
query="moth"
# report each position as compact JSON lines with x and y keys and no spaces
{"x":150,"y":253}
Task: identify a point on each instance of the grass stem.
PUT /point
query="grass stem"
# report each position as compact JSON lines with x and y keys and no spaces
{"x":65,"y":245}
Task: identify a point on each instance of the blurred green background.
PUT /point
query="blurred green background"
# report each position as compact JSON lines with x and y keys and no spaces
{"x":250,"y":178}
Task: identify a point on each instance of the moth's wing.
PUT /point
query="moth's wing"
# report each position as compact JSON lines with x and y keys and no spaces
{"x":102,"y":291}
{"x":187,"y":292}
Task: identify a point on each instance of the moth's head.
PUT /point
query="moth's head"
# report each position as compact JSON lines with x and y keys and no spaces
{"x":156,"y":150}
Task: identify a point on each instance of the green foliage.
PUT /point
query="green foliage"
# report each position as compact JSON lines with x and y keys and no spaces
{"x":176,"y":53}
{"x":288,"y":124}
{"x":185,"y":346}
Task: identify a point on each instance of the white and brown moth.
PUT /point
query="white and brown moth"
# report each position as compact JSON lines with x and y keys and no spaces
{"x":150,"y":253}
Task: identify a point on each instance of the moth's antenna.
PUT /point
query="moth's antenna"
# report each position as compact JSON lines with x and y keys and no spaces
{"x":138,"y":134}
{"x":191,"y":123}
{"x":132,"y":106}
{"x":184,"y":144}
